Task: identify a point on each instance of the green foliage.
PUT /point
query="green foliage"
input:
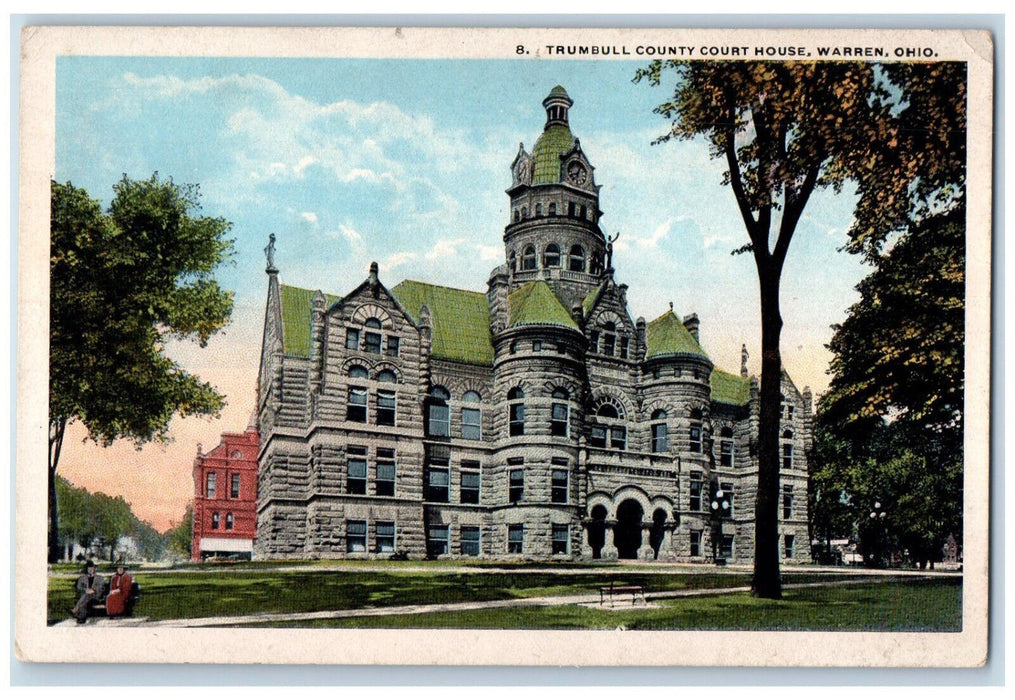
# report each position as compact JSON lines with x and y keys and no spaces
{"x":123,"y":283}
{"x":98,"y":520}
{"x":179,"y":539}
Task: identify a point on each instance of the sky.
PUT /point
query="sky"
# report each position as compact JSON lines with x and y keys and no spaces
{"x":406,"y":162}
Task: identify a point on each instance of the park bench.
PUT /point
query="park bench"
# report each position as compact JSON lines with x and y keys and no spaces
{"x":612,"y":590}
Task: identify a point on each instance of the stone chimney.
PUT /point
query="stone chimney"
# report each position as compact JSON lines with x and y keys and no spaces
{"x":374,"y":281}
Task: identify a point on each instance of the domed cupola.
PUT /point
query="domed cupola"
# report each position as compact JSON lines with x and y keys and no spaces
{"x":554,"y":232}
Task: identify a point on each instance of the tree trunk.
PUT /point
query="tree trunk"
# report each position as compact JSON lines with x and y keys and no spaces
{"x":55,"y":444}
{"x":766,"y":583}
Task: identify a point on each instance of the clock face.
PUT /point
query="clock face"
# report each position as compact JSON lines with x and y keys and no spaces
{"x":576,"y":173}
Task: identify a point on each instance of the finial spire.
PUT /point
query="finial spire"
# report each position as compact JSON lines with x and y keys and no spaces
{"x":743,"y":360}
{"x":269,"y":254}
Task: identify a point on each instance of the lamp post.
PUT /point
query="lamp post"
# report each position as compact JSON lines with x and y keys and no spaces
{"x":719,"y":507}
{"x":877,"y":518}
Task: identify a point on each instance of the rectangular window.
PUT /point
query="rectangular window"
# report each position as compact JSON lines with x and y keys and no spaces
{"x":437,"y":540}
{"x":660,"y":438}
{"x":385,"y":537}
{"x":787,"y":455}
{"x":357,"y":407}
{"x":609,"y":340}
{"x":537,"y":346}
{"x":470,"y":541}
{"x":470,"y":484}
{"x":726,"y":548}
{"x":594,"y":341}
{"x":558,"y":486}
{"x":385,"y":407}
{"x":618,"y":437}
{"x":472,"y":424}
{"x":560,"y":539}
{"x":694,"y":435}
{"x":597,"y":436}
{"x":372,"y":342}
{"x":695,"y":543}
{"x":559,"y":419}
{"x":209,"y":487}
{"x":726,"y":452}
{"x":357,"y":481}
{"x":787,"y":502}
{"x":392,"y":347}
{"x":352,"y":339}
{"x":623,"y":347}
{"x":516,"y":485}
{"x":234,"y":486}
{"x":356,"y":535}
{"x":728,"y":490}
{"x":437,"y":481}
{"x":385,"y":485}
{"x":517,"y":419}
{"x":696,"y":485}
{"x":440,"y":420}
{"x":516,"y":537}
{"x":787,"y":548}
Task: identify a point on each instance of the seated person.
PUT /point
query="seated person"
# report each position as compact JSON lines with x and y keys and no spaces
{"x":91,"y":588}
{"x":117,"y":602}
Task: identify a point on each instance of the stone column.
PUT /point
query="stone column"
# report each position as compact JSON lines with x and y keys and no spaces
{"x":645,"y":551}
{"x":666,"y":550}
{"x":586,"y":546}
{"x":610,"y":548}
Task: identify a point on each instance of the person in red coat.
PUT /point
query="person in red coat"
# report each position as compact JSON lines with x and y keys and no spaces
{"x":119,"y":590}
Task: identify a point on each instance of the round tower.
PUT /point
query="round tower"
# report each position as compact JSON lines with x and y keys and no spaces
{"x":554,"y":233}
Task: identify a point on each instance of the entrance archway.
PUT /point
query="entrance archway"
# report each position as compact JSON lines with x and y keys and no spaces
{"x":597,"y":531}
{"x":658,"y":531}
{"x":627,"y":532}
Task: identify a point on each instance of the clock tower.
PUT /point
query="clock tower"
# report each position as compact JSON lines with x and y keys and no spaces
{"x":554,"y":233}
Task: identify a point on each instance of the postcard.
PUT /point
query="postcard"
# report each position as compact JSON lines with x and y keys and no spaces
{"x":604,"y":347}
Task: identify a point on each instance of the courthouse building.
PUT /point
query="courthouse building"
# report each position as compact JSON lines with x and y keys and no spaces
{"x":536,"y":420}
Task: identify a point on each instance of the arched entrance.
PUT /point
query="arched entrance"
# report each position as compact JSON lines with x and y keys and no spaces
{"x":597,"y":531}
{"x":627,"y":531}
{"x":658,"y":531}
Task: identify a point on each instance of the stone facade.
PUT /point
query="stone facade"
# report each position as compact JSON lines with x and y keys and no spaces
{"x":537,"y":420}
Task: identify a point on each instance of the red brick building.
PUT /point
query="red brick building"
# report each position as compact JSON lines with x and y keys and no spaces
{"x":225,"y":497}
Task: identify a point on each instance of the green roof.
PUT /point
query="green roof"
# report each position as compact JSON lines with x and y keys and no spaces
{"x":460,"y":320}
{"x":558,"y":90}
{"x":555,"y":141}
{"x":535,"y":304}
{"x":591,"y":298}
{"x":730,"y":388}
{"x":297,"y":307}
{"x":667,"y":336}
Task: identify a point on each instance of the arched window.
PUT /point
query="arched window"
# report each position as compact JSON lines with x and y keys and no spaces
{"x":472,"y":416}
{"x":596,"y":263}
{"x":609,"y":429}
{"x":560,"y":413}
{"x":358,"y":372}
{"x":517,"y":216}
{"x":694,"y":432}
{"x":214,"y":521}
{"x":525,"y":212}
{"x":787,"y":449}
{"x":576,"y":260}
{"x":439,"y":414}
{"x":516,"y":412}
{"x":552,"y":209}
{"x":726,"y":447}
{"x":539,"y":209}
{"x":660,"y":432}
{"x":529,"y":258}
{"x":386,"y":375}
{"x":512,"y":261}
{"x":229,"y":521}
{"x":551,"y":256}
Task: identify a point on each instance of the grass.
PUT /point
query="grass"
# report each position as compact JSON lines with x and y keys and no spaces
{"x":887,"y":606}
{"x":238,"y":589}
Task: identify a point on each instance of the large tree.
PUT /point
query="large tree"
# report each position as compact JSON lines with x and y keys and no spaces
{"x":124,"y":282}
{"x":785,"y":129}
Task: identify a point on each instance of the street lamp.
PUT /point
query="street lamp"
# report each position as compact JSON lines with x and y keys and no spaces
{"x":877,"y":517}
{"x":719,"y":506}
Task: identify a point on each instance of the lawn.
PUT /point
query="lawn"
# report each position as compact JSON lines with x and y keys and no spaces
{"x":214,"y":591}
{"x":883,"y":606}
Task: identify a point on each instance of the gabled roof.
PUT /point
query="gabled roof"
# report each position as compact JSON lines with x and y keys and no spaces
{"x":729,"y":388}
{"x":591,"y":298}
{"x":297,"y":305}
{"x":535,"y":304}
{"x":667,"y":336}
{"x":460,"y":320}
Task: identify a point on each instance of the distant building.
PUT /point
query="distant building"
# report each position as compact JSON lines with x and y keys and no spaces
{"x":538,"y":419}
{"x":225,"y":497}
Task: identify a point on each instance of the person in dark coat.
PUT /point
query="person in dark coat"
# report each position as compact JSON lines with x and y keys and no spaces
{"x":90,"y":587}
{"x":119,"y":591}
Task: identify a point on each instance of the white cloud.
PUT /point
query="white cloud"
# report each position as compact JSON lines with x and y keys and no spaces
{"x":396,"y":259}
{"x":444,"y":248}
{"x":309,"y":217}
{"x":628,"y":241}
{"x":490,"y":253}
